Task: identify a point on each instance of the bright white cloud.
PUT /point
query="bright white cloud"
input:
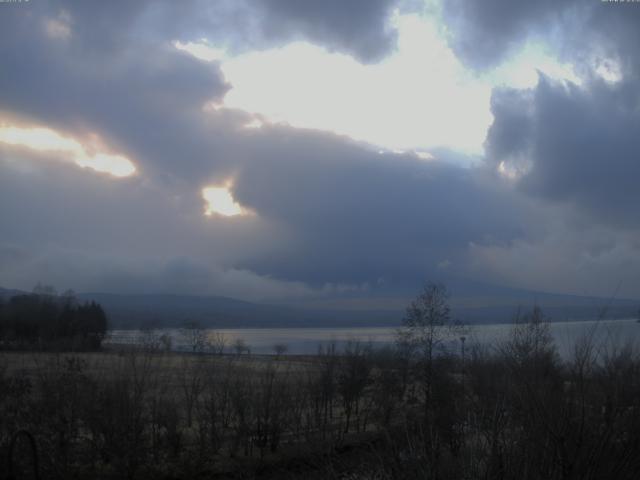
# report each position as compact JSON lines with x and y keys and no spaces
{"x":514,"y":169}
{"x":219,"y":200}
{"x":608,"y":69}
{"x":254,"y":123}
{"x":116,"y":165}
{"x":418,"y":98}
{"x":44,"y":139}
{"x":58,"y":28}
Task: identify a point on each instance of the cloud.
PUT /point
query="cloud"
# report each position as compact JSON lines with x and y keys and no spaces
{"x":484,"y":33}
{"x":75,"y":228}
{"x":588,"y":34}
{"x":359,"y":27}
{"x":47,"y":140}
{"x":410,"y":101}
{"x":327,"y":211}
{"x":116,"y":71}
{"x":572,"y":256}
{"x":355,"y":215}
{"x":144,"y":100}
{"x":572,"y":148}
{"x":572,"y":144}
{"x":331,"y":216}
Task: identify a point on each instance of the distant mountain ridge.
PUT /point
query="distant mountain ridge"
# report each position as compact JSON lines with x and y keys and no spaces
{"x":169,"y":310}
{"x":10,"y":292}
{"x":175,"y":310}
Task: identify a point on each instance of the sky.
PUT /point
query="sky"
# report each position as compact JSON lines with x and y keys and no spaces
{"x":293,"y":151}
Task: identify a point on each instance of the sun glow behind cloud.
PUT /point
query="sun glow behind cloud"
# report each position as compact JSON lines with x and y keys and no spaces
{"x":219,"y":200}
{"x":418,"y":98}
{"x":43,"y":139}
{"x":410,"y":101}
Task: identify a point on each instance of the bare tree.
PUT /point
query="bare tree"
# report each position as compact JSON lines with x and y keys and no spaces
{"x":425,"y":328}
{"x":148,"y":340}
{"x":280,"y":349}
{"x":192,"y":383}
{"x":326,"y":383}
{"x":240,"y":346}
{"x":194,"y":337}
{"x":353,"y":378}
{"x":166,"y":342}
{"x":530,"y":343}
{"x":217,"y":342}
{"x":45,"y":290}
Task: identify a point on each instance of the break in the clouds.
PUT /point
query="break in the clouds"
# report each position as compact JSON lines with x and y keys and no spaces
{"x":282,"y":149}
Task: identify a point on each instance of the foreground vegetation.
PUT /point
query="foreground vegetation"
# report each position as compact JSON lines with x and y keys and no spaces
{"x":514,"y":410}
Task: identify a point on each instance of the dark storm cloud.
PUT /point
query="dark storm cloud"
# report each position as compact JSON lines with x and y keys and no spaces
{"x":577,"y":145}
{"x":484,"y":32}
{"x":77,"y":228}
{"x":145,"y":99}
{"x":328,"y":211}
{"x":509,"y":134}
{"x":357,"y":26}
{"x":360,"y":215}
{"x":573,"y":149}
{"x":616,"y":30}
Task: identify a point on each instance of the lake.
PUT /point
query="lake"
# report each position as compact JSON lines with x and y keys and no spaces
{"x":300,"y":341}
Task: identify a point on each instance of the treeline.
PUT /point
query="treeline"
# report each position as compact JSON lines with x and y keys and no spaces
{"x":46,"y":320}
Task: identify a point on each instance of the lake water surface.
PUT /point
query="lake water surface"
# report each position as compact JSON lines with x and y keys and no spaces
{"x":299,"y":341}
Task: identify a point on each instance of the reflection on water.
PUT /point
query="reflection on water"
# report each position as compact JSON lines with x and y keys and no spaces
{"x":605,"y":333}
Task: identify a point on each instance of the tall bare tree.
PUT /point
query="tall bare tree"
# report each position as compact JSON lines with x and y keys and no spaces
{"x":425,"y":327}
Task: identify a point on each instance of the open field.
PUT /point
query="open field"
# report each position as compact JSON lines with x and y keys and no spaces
{"x":145,"y":413}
